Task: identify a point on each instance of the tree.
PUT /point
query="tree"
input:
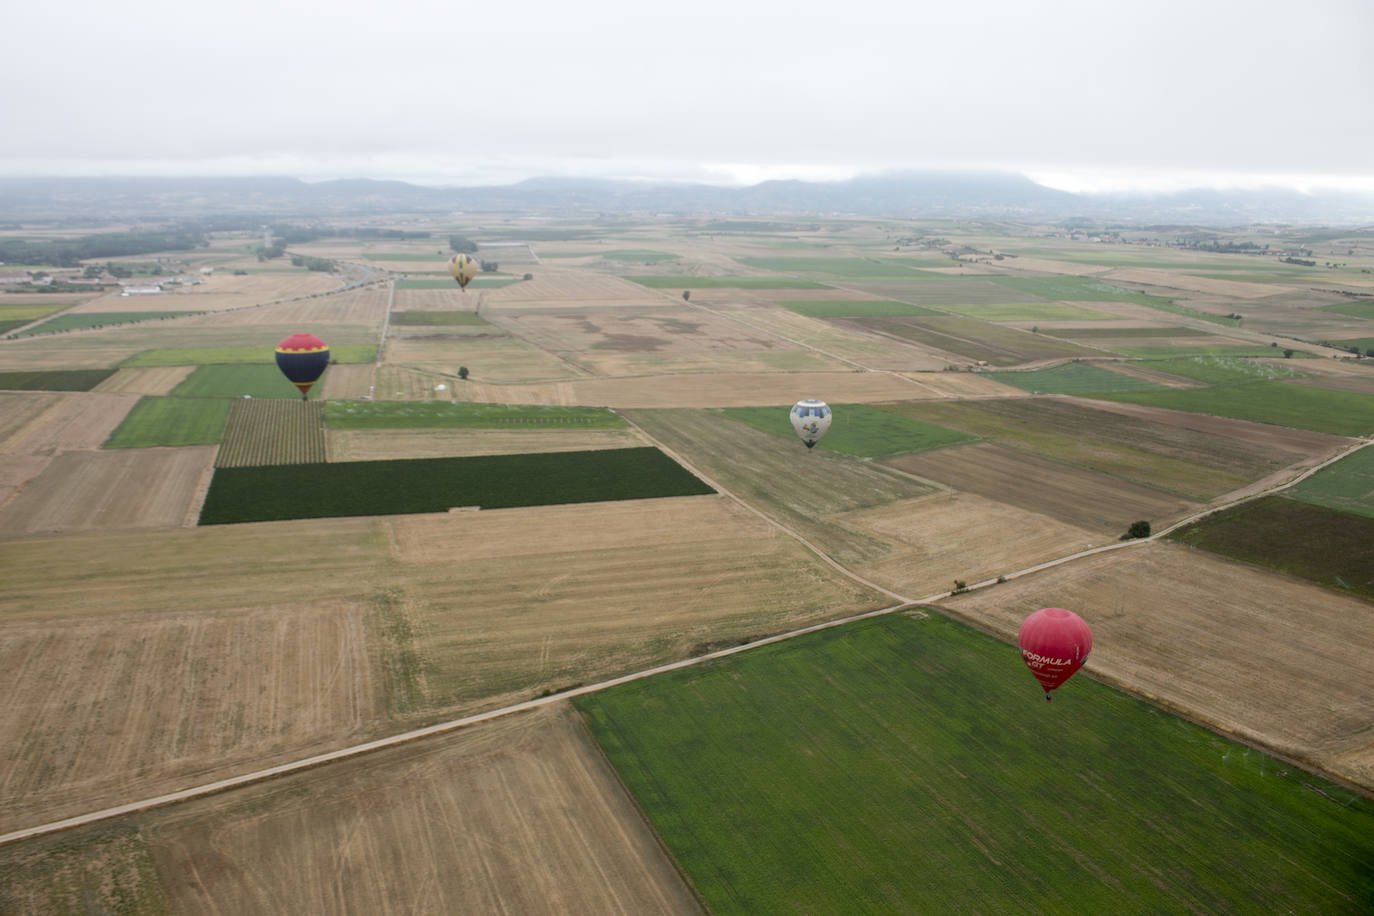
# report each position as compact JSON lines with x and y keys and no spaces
{"x":490,"y":267}
{"x":1137,"y":530}
{"x":459,"y":243}
{"x":1287,"y":354}
{"x":686,"y":294}
{"x":462,"y":372}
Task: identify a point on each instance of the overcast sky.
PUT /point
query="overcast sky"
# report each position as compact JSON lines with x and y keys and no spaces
{"x":1079,"y":93}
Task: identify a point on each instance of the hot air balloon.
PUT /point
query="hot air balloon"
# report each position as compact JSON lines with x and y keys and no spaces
{"x":810,"y":419}
{"x":302,"y":358}
{"x":463,"y":268}
{"x":1054,"y":644}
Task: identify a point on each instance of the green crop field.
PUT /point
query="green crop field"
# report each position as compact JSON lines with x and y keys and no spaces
{"x":1225,"y":370}
{"x":725,"y":283}
{"x":1166,"y":305}
{"x":235,"y":382}
{"x":1363,"y":344}
{"x":29,"y":312}
{"x":81,"y":320}
{"x":227,"y":356}
{"x":171,"y":422}
{"x":1237,"y":350}
{"x":438,"y":484}
{"x":845,"y":308}
{"x":1342,"y":413}
{"x":1076,"y":289}
{"x":1347,"y":485}
{"x":447,"y":282}
{"x":1299,"y":538}
{"x":846,"y":268}
{"x":54,"y":380}
{"x":1073,"y":378}
{"x":459,"y":414}
{"x":1353,"y":309}
{"x":997,"y":344}
{"x":1025,"y":311}
{"x":857,"y":429}
{"x":910,"y":765}
{"x":438,"y":319}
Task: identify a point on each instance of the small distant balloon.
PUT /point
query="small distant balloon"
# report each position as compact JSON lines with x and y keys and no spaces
{"x":463,"y":268}
{"x":1054,"y":644}
{"x":810,"y":418}
{"x":302,"y":358}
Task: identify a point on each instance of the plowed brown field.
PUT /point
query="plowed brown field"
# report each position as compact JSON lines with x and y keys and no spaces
{"x":1269,"y":658}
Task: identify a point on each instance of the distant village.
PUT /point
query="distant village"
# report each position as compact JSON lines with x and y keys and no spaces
{"x":97,"y":279}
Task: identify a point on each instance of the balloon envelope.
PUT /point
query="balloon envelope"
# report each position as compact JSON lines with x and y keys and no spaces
{"x":810,"y":418}
{"x":462,"y":268}
{"x":1054,"y":644}
{"x":302,"y":358}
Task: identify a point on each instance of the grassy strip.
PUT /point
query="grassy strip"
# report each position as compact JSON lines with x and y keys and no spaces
{"x":1025,"y":311}
{"x":1313,"y":542}
{"x":910,"y":764}
{"x":1341,"y":413}
{"x":156,"y":421}
{"x":1167,"y":305}
{"x":1076,"y":289}
{"x":858,"y":430}
{"x":438,"y":484}
{"x":725,"y":283}
{"x":1347,"y":485}
{"x":82,"y":320}
{"x":1184,"y":351}
{"x":54,"y":380}
{"x":846,"y":308}
{"x":225,"y":356}
{"x":1224,"y":370}
{"x":460,"y":414}
{"x":437,"y":319}
{"x":1073,"y":378}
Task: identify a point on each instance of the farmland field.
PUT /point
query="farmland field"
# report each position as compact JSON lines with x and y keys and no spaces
{"x":977,"y":340}
{"x":466,"y":441}
{"x":1073,"y":378}
{"x":253,"y":494}
{"x":1336,"y":548}
{"x":811,"y":775}
{"x":54,"y":380}
{"x":257,"y":381}
{"x":153,"y":381}
{"x":857,"y":430}
{"x":414,"y":283}
{"x":224,"y":356}
{"x":846,"y":268}
{"x":1347,"y":485}
{"x":161,"y":421}
{"x":456,"y":415}
{"x":1026,"y":311}
{"x":1077,"y":289}
{"x":80,"y":320}
{"x":438,"y":318}
{"x":1340,"y":413}
{"x":755,"y":282}
{"x":849,"y":308}
{"x":264,"y":431}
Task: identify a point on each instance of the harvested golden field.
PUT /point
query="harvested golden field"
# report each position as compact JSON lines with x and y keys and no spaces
{"x":51,"y":422}
{"x":434,"y":300}
{"x":869,"y":350}
{"x":939,"y":538}
{"x":1099,"y":503}
{"x":106,"y":705}
{"x":223,"y":290}
{"x":732,"y":362}
{"x":151,"y":381}
{"x":1268,"y":658}
{"x":398,"y":383}
{"x":645,"y":331}
{"x":125,"y":488}
{"x":520,"y":815}
{"x":384,"y":444}
{"x":568,"y":287}
{"x":344,"y":381}
{"x":491,"y":359}
{"x":1169,"y":279}
{"x":721,"y":389}
{"x":960,"y":385}
{"x":365,"y":306}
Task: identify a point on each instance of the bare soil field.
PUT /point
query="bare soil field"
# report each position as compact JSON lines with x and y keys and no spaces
{"x":1262,"y":656}
{"x":570,"y":287}
{"x":708,"y":390}
{"x":364,"y":306}
{"x":128,"y":702}
{"x":126,"y":488}
{"x":521,"y":815}
{"x":666,"y":330}
{"x":384,"y":444}
{"x":499,"y":359}
{"x":945,"y":536}
{"x":1169,"y":279}
{"x":150,"y":381}
{"x":1097,"y":502}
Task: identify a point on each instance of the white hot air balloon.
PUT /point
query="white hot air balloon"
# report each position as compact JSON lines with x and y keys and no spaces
{"x":810,"y":418}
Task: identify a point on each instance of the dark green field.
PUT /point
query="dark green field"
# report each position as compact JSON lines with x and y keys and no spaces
{"x":1354,"y":309}
{"x":258,"y":381}
{"x":910,"y":765}
{"x":261,"y":494}
{"x":1073,"y":378}
{"x":158,"y":422}
{"x":857,"y":429}
{"x":855,"y":308}
{"x":725,"y":283}
{"x":1347,"y":485}
{"x":54,"y":380}
{"x":460,"y":414}
{"x":1323,"y":545}
{"x":1342,"y":413}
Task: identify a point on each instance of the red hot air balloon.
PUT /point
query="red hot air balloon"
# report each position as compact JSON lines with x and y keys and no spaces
{"x":302,"y":358}
{"x":1054,"y":644}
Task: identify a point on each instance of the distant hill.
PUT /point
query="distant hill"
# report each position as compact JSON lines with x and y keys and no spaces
{"x":903,"y":195}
